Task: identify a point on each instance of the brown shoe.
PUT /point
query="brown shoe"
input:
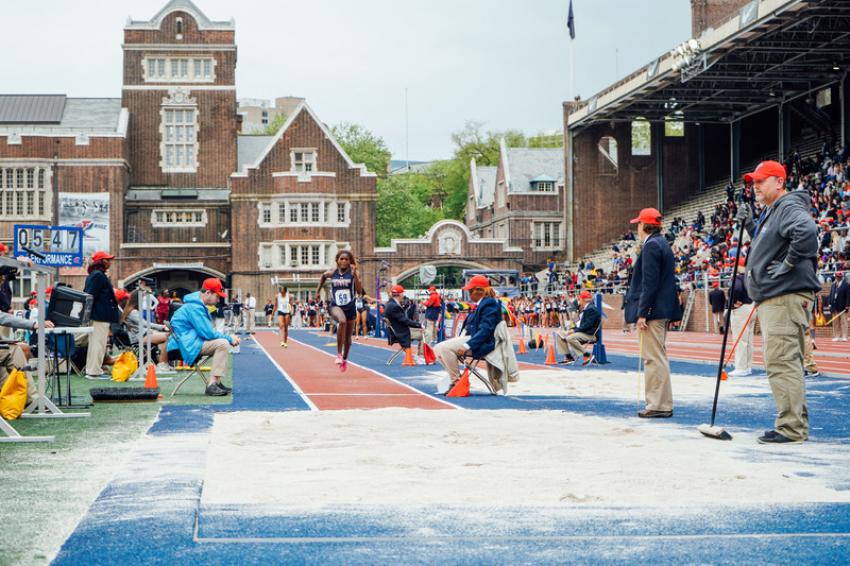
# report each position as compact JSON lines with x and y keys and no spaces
{"x":647,"y":414}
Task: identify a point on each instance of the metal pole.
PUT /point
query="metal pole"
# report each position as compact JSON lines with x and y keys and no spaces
{"x":705,"y":296}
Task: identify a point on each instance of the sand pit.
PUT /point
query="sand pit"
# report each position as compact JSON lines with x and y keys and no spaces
{"x":499,"y":458}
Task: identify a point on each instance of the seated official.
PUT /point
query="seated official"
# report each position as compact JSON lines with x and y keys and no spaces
{"x":193,"y":334}
{"x":158,"y":333}
{"x":477,"y":336}
{"x":404,"y":329}
{"x":570,"y":344}
{"x":15,"y":355}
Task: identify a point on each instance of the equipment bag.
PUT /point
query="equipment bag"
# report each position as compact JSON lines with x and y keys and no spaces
{"x":125,"y":366}
{"x":13,"y":396}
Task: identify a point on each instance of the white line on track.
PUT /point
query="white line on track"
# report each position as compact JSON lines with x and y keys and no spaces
{"x":289,"y":379}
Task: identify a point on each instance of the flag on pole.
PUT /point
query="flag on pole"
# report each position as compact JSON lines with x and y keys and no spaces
{"x":571,"y":22}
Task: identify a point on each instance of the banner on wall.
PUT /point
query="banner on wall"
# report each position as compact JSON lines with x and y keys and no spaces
{"x":90,"y":213}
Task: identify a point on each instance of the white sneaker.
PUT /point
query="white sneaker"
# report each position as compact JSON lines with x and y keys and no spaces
{"x":163,"y":367}
{"x":836,"y":339}
{"x":740,"y":373}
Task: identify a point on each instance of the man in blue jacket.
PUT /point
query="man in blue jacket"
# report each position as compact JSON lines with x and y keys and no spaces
{"x":477,"y":336}
{"x":651,"y":302}
{"x":570,"y":344}
{"x":192,"y":332}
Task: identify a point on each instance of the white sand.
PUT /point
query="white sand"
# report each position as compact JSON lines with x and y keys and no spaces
{"x":406,"y":457}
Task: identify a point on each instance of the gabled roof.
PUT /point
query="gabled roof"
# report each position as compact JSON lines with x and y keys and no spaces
{"x":527,"y":165}
{"x":249,"y":148}
{"x":180,"y":6}
{"x":31,"y":108}
{"x":92,"y":116}
{"x":272,"y":140}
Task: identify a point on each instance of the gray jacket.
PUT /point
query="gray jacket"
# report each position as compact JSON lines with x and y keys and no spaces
{"x":13,"y":321}
{"x":787,"y":234}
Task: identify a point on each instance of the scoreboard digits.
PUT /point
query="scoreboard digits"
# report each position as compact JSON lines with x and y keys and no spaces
{"x":61,"y":245}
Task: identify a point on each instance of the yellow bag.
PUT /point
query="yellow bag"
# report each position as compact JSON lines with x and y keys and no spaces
{"x":820,"y":320}
{"x":125,"y":366}
{"x":13,"y":396}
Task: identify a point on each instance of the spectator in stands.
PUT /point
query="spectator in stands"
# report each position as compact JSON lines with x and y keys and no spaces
{"x":103,"y":313}
{"x":839,"y":302}
{"x":742,"y":306}
{"x":477,"y":336}
{"x":717,"y":300}
{"x":781,"y":280}
{"x":570,"y":344}
{"x":193,"y":334}
{"x":651,"y":303}
{"x":433,"y":310}
{"x":399,"y":320}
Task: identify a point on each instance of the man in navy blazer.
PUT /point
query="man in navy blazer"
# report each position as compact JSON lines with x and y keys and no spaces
{"x":477,"y":336}
{"x":651,"y":302}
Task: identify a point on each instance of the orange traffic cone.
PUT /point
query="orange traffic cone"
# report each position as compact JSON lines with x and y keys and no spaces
{"x":429,"y":355}
{"x":408,"y":358}
{"x":546,"y":341}
{"x":539,"y":340}
{"x":150,"y":380}
{"x":550,"y":357}
{"x":522,"y":348}
{"x":461,"y":388}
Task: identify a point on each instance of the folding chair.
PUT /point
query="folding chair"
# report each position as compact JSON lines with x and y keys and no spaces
{"x":471,"y":363}
{"x":591,"y":342}
{"x":196,"y":368}
{"x":393,"y":339}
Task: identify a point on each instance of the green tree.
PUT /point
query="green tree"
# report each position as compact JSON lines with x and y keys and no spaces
{"x":403,"y":207}
{"x":363,"y":147}
{"x":546,"y":140}
{"x":274,"y":125}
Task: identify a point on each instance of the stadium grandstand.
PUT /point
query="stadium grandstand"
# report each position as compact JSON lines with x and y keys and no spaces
{"x":766,"y":82}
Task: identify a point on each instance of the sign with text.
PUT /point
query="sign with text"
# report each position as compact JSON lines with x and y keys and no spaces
{"x":60,"y":246}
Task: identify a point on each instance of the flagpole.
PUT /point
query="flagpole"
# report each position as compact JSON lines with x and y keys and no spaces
{"x":572,"y":72}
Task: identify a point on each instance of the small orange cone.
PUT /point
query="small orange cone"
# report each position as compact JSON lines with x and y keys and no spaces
{"x":546,"y":341}
{"x":539,"y":340}
{"x":461,"y":388}
{"x":150,"y":379}
{"x":723,"y":375}
{"x":408,"y":358}
{"x":522,"y":348}
{"x":550,"y":357}
{"x":429,"y":355}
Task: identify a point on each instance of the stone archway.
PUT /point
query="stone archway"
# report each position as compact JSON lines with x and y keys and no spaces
{"x":180,"y":278}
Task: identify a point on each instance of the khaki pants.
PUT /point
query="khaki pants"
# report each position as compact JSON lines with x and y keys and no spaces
{"x":784,"y":322}
{"x":809,"y":353}
{"x":659,"y":391}
{"x":220,"y":350}
{"x":744,"y":351}
{"x":839,"y":327}
{"x":446,"y":353}
{"x":97,"y":348}
{"x":572,"y":343}
{"x":251,"y":314}
{"x":430,"y":331}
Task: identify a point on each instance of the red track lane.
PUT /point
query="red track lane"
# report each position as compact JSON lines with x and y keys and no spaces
{"x":328,"y":389}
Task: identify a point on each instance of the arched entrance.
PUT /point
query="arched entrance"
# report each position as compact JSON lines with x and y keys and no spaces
{"x":449,"y":274}
{"x":181,"y":278}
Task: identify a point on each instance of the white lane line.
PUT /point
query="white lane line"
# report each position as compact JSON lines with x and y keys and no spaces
{"x":289,"y":379}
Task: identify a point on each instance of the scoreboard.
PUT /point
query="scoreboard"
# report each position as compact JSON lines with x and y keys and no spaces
{"x":61,"y":246}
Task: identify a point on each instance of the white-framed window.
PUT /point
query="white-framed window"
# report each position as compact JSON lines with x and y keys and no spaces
{"x":179,"y":69}
{"x":265,"y":214}
{"x":25,"y":193}
{"x":314,"y":212}
{"x":281,"y":212}
{"x":341,"y":216}
{"x":303,"y":211}
{"x":182,"y":218}
{"x":293,"y":214}
{"x":298,"y":255}
{"x":179,"y":139}
{"x":544,"y":187}
{"x":303,"y":160}
{"x":546,"y":235}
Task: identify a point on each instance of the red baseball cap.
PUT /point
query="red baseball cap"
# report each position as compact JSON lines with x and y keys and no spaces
{"x":214,"y":284}
{"x":432,"y":288}
{"x":766,"y":169}
{"x":584,"y":295}
{"x":715,"y":284}
{"x":397,"y":290}
{"x":97,"y":256}
{"x":121,"y":294}
{"x":3,"y":248}
{"x":649,"y":216}
{"x":477,"y":282}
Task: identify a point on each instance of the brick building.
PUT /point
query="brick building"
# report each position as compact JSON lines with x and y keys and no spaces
{"x":175,"y":191}
{"x":521,"y":200}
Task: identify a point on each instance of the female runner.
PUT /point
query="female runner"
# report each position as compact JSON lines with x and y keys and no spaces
{"x":345,"y":285}
{"x":284,"y":315}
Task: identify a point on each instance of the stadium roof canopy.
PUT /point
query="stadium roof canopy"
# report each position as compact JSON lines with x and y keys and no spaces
{"x":772,"y":51}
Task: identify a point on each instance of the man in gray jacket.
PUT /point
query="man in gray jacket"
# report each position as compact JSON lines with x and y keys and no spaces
{"x":15,"y":355}
{"x":781,"y":279}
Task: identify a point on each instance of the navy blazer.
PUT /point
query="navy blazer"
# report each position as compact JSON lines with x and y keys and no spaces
{"x":652,"y":291}
{"x":400,"y":323}
{"x":589,"y":320}
{"x":481,"y":325}
{"x":104,"y":306}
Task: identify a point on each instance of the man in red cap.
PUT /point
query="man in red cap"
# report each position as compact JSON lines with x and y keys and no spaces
{"x":193,"y":334}
{"x":781,"y":280}
{"x":104,"y":312}
{"x":570,"y":344}
{"x":477,"y":337}
{"x":433,"y":310}
{"x":651,"y":302}
{"x":402,"y":326}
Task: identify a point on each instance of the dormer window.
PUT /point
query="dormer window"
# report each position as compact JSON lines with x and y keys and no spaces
{"x":543,"y":186}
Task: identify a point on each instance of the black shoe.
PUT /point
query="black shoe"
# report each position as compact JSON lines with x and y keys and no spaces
{"x":647,"y":414}
{"x":770,"y":433}
{"x":812,"y":374}
{"x":223,"y":386}
{"x":213,"y":390}
{"x":569,"y":360}
{"x":777,"y":438}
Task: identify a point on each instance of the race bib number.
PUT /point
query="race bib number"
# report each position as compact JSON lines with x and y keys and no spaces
{"x":359,"y":304}
{"x":342,"y":297}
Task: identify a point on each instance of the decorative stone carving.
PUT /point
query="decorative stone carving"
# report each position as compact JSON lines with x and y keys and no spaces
{"x":449,"y":242}
{"x":179,"y":96}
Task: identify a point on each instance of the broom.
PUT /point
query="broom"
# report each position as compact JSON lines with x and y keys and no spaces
{"x":710,"y":430}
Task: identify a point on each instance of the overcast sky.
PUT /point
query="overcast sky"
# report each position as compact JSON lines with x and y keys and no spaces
{"x":501,"y":62}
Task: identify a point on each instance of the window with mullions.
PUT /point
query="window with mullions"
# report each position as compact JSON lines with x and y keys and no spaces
{"x":179,"y":140}
{"x":304,"y":161}
{"x":24,"y":193}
